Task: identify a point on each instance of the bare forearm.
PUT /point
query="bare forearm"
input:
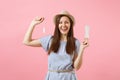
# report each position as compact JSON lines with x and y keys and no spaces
{"x":28,"y":35}
{"x":78,"y":61}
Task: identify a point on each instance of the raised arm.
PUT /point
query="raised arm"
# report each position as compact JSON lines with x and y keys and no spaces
{"x":78,"y":58}
{"x":28,"y":36}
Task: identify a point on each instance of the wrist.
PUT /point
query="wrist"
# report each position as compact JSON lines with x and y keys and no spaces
{"x":32,"y":25}
{"x":82,"y":48}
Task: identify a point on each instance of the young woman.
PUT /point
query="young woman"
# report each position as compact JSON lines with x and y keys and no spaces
{"x":64,"y":50}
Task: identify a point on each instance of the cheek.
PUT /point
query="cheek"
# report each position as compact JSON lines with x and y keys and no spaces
{"x":69,"y":26}
{"x":59,"y":26}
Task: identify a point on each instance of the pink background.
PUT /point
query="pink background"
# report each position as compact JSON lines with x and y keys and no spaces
{"x":101,"y":58}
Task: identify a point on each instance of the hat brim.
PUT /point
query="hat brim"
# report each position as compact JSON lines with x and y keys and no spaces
{"x":68,"y":15}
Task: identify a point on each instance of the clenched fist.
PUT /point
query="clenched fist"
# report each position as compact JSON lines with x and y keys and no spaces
{"x":37,"y":20}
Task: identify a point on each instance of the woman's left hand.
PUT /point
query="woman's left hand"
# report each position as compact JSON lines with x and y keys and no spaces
{"x":84,"y":44}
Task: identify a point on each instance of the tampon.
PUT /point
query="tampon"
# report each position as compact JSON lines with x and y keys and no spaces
{"x":43,"y":29}
{"x":87,"y":29}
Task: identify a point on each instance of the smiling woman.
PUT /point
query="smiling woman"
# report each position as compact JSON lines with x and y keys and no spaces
{"x":64,"y":25}
{"x":64,"y":50}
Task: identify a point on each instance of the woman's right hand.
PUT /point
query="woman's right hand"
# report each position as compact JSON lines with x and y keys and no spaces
{"x":37,"y":20}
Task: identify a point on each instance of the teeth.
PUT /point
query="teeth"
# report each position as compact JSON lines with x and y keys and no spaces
{"x":64,"y":29}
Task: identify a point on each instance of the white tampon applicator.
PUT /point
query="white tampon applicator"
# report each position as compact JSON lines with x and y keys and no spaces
{"x":86,"y":36}
{"x":43,"y":29}
{"x":87,"y":29}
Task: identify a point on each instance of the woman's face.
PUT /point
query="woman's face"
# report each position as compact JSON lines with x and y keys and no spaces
{"x":64,"y":25}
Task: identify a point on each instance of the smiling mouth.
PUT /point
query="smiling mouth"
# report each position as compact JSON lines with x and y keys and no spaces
{"x":64,"y":29}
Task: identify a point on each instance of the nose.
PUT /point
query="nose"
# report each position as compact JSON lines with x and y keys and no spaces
{"x":63,"y":24}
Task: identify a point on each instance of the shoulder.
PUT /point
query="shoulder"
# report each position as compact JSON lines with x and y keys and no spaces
{"x":45,"y":41}
{"x":77,"y":41}
{"x":46,"y":37}
{"x":49,"y":36}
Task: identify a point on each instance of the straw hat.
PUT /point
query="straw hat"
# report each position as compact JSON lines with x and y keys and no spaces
{"x":64,"y":12}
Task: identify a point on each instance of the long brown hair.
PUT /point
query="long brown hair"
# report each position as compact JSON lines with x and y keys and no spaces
{"x":70,"y":47}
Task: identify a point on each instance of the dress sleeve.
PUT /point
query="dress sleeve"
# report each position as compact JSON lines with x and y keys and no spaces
{"x":77,"y":43}
{"x":45,"y":41}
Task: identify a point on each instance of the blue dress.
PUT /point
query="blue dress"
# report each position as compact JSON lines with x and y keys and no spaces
{"x":59,"y":61}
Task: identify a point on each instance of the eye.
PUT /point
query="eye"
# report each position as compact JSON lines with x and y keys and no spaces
{"x":60,"y":22}
{"x":66,"y":22}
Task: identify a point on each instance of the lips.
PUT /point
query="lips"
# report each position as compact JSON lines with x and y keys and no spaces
{"x":64,"y":29}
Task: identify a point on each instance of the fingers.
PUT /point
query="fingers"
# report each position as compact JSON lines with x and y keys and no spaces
{"x":85,"y":41}
{"x":39,"y":18}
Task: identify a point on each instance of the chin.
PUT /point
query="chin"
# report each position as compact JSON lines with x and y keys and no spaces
{"x":64,"y":33}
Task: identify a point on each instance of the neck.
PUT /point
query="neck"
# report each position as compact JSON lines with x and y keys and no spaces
{"x":64,"y":37}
